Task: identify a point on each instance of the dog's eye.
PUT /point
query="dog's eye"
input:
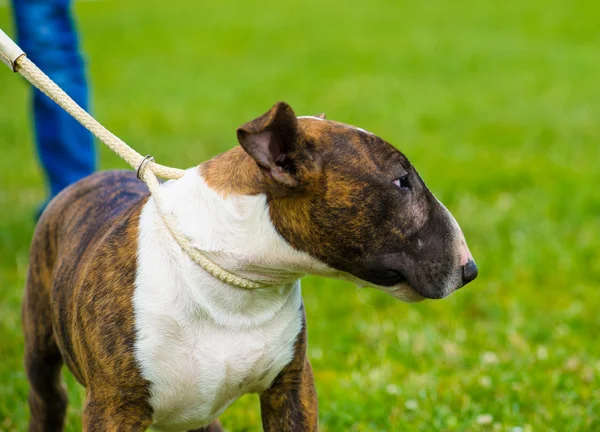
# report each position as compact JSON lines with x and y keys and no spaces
{"x":402,"y":182}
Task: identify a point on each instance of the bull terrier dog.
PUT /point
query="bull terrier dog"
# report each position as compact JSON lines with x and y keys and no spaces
{"x":160,"y":343}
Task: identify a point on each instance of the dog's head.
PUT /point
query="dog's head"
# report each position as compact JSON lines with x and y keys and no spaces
{"x":354,"y":202}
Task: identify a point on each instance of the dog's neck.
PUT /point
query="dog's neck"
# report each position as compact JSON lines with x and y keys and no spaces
{"x":233,"y":229}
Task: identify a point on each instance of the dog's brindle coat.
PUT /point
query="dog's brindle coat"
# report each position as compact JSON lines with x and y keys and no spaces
{"x":344,"y":198}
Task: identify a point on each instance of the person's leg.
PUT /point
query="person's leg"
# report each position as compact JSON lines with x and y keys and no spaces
{"x":47,"y":34}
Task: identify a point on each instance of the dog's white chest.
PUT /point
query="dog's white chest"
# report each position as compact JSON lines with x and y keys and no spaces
{"x":200,"y":342}
{"x":196,"y":369}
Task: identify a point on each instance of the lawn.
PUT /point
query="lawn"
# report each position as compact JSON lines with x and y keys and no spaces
{"x":497,"y":104}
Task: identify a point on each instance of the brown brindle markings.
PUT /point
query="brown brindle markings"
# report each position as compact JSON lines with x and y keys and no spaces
{"x":344,"y":192}
{"x":290,"y":403}
{"x":233,"y":172}
{"x":87,"y":239}
{"x":47,"y":396}
{"x":111,"y":412}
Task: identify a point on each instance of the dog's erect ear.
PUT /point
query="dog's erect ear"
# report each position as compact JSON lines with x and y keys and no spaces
{"x":271,"y":140}
{"x":321,"y":116}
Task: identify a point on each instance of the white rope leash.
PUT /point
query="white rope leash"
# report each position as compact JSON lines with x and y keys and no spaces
{"x":147,"y":169}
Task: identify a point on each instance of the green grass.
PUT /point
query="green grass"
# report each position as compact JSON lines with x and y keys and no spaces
{"x":498,"y":106}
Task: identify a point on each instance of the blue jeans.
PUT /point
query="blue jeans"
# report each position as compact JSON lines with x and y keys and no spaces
{"x":47,"y":34}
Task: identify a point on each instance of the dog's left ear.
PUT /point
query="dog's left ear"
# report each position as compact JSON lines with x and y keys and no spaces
{"x":321,"y":116}
{"x":271,"y":140}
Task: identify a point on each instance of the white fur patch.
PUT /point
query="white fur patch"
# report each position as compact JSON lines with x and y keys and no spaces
{"x":362,"y":130}
{"x":200,"y":342}
{"x":342,"y":124}
{"x":460,"y":249}
{"x":311,"y":117}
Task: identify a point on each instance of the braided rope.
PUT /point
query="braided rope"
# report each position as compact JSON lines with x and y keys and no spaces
{"x":146,"y":168}
{"x":42,"y":82}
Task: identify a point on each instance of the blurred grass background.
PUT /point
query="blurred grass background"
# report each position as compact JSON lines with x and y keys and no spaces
{"x":497,"y":104}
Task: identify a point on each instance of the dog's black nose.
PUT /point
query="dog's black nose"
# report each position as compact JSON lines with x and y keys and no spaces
{"x":469,"y":272}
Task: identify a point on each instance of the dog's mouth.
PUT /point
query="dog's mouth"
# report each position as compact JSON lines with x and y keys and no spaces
{"x":394,"y":283}
{"x":398,"y":286}
{"x":381,"y":276}
{"x":405,"y":293}
{"x":388,"y":278}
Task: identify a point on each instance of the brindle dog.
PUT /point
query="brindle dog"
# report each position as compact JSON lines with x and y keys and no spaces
{"x":110,"y":295}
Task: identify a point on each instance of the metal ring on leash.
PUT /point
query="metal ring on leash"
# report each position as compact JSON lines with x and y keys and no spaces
{"x":143,"y":165}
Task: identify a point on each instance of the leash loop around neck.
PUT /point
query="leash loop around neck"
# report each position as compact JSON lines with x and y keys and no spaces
{"x":146,"y":169}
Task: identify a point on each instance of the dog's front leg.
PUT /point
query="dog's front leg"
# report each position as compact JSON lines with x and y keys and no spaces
{"x":108,"y":411}
{"x":290,"y":403}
